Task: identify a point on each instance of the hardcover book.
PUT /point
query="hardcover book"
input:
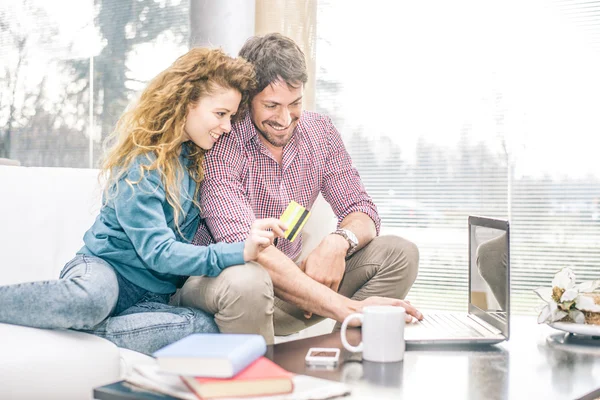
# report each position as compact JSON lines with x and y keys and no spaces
{"x":219,"y":355}
{"x":262,"y":378}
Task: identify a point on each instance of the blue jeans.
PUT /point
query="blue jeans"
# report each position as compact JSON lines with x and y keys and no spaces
{"x":91,"y":297}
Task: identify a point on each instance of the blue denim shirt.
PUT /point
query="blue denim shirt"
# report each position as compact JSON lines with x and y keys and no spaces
{"x":136,"y":234}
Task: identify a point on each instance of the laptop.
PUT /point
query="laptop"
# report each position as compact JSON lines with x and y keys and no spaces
{"x":488,"y":317}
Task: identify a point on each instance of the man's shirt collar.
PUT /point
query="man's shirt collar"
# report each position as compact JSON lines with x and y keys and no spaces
{"x":245,"y":129}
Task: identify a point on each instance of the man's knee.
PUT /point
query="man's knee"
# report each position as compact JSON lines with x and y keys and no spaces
{"x":245,"y":301}
{"x":248,"y":285}
{"x":401,"y":255}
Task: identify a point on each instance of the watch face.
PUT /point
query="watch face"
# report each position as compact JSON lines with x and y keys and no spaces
{"x":352,"y":237}
{"x":352,"y":241}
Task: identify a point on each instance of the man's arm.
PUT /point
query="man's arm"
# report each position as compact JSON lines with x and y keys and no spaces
{"x":327,"y":262}
{"x":295,"y":287}
{"x":223,"y":199}
{"x":362,"y":226}
{"x":345,"y":192}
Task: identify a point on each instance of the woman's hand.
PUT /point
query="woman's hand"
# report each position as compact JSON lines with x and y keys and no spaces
{"x":262,"y":234}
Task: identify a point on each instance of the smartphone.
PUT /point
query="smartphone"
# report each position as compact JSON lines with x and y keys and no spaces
{"x":322,"y":357}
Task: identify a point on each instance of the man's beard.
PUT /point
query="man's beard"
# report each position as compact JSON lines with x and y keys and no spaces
{"x":273,"y":140}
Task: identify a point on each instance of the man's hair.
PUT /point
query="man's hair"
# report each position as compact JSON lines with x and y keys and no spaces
{"x":275,"y":57}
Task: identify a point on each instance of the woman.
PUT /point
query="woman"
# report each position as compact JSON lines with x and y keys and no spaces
{"x":139,"y":249}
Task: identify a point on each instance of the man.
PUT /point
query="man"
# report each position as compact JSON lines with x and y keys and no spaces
{"x":276,"y":154}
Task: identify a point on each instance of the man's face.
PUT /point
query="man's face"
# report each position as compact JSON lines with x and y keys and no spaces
{"x":276,"y":111}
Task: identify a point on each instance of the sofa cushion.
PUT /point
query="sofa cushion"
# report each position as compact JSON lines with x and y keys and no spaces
{"x":54,"y":364}
{"x":129,"y":358}
{"x":44,"y":213}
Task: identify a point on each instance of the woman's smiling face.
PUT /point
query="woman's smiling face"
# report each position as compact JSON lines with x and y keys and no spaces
{"x":210,"y":118}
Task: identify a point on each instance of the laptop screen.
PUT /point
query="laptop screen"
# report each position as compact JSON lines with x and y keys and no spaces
{"x":489,"y":272}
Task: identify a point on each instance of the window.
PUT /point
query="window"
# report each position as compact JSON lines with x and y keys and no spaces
{"x":448,"y":109}
{"x":461,"y":108}
{"x":51,"y":113}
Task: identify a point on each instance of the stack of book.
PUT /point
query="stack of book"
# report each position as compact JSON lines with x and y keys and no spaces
{"x":209,"y":366}
{"x":214,"y":366}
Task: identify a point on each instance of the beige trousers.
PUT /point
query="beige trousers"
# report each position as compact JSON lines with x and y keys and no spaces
{"x":492,"y":262}
{"x":242,"y":300}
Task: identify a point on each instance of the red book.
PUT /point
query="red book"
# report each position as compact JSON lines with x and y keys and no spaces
{"x":261,"y":378}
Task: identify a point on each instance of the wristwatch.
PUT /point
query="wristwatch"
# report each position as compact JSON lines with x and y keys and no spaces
{"x":350,"y":238}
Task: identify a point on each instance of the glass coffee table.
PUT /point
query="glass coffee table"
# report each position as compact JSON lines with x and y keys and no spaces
{"x":537,"y":363}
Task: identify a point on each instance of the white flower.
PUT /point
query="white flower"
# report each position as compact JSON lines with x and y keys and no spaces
{"x":550,"y":313}
{"x":564,"y":279}
{"x":569,"y":295}
{"x":563,"y":298}
{"x":588,"y":286}
{"x":544,"y":293}
{"x":587,"y":302}
{"x":577,"y":316}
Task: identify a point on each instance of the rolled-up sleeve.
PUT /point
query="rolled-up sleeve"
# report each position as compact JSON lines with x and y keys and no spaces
{"x":342,"y":187}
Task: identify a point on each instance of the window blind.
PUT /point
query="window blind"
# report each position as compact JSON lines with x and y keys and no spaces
{"x":472,"y":109}
{"x":65,"y":81}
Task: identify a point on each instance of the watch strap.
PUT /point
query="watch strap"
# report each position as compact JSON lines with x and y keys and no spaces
{"x":351,"y":242}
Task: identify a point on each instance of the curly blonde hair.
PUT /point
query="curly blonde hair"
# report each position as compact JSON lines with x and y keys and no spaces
{"x":154,"y":126}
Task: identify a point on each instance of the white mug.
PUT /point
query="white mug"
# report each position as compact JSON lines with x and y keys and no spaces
{"x":382,"y":333}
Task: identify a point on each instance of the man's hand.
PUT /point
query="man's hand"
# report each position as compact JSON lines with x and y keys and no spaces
{"x":327,"y":263}
{"x":386,"y":301}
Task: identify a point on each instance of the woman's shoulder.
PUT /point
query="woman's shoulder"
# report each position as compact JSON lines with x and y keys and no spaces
{"x":138,"y":169}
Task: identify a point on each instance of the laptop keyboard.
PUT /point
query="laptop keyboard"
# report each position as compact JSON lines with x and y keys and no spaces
{"x":448,"y":325}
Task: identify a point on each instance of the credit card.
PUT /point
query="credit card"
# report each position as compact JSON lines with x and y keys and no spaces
{"x":294,"y":216}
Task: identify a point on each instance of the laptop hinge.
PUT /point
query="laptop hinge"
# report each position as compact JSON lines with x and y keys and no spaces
{"x":484,"y":324}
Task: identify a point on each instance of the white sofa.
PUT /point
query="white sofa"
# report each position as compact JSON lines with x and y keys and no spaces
{"x":43,"y":215}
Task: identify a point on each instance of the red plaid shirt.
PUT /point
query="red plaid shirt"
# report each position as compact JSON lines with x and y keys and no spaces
{"x":243,"y":181}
